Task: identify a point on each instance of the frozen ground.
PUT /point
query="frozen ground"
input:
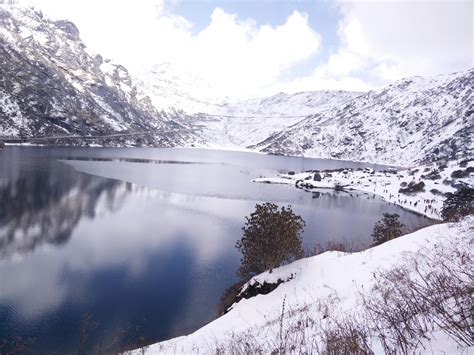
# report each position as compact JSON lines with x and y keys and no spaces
{"x":437,"y":181}
{"x":321,"y":289}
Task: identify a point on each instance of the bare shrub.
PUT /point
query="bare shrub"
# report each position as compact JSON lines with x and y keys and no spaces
{"x":17,"y":345}
{"x":413,"y":188}
{"x":300,"y":331}
{"x":329,"y":246}
{"x":229,"y":297}
{"x":346,"y":337}
{"x":434,"y":289}
{"x":459,"y":174}
{"x":413,"y":227}
{"x":88,"y":324}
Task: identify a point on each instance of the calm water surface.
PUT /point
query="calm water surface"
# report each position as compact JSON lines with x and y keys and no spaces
{"x":141,"y":239}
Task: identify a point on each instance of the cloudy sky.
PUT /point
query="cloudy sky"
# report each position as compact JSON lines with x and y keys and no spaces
{"x":253,"y":48}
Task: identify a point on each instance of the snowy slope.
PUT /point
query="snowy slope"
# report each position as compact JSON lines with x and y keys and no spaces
{"x":245,"y":123}
{"x":318,"y":290}
{"x":171,"y":89}
{"x":411,"y":121}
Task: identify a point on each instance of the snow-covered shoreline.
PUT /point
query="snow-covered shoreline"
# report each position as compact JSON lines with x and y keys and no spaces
{"x":334,"y":276}
{"x":437,"y":180}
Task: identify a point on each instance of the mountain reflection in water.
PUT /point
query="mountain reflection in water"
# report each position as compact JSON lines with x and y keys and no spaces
{"x":43,"y":207}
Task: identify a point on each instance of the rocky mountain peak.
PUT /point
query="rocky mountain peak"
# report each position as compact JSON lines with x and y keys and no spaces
{"x":51,"y":85}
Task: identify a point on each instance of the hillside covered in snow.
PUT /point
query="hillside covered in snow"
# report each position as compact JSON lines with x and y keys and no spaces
{"x":246,"y":123}
{"x":361,"y":302}
{"x":414,"y":120}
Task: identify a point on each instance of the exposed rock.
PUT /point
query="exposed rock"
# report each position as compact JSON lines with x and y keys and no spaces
{"x":69,"y":28}
{"x":240,"y":291}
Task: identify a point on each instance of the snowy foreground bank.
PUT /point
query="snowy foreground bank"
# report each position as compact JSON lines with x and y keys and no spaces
{"x":424,"y":186}
{"x":324,"y":291}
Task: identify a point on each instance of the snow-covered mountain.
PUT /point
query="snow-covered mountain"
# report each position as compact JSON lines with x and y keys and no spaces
{"x":231,"y":123}
{"x":248,"y":122}
{"x":175,"y":90}
{"x":411,"y":121}
{"x":51,"y":85}
{"x":414,"y":120}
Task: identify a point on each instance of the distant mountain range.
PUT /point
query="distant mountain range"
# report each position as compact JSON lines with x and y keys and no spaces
{"x":50,"y":85}
{"x":413,"y":120}
{"x":227,"y":123}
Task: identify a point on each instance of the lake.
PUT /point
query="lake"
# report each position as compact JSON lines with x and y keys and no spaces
{"x":117,"y":244}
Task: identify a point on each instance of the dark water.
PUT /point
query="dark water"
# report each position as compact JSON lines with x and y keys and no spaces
{"x":141,"y":239}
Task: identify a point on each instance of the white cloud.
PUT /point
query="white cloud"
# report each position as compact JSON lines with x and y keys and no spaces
{"x":388,"y":40}
{"x":243,"y":57}
{"x":246,"y":55}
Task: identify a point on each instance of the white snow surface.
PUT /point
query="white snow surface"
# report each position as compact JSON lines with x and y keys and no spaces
{"x":332,"y":275}
{"x":249,"y":122}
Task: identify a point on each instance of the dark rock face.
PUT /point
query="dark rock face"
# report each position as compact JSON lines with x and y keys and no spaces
{"x":69,"y":28}
{"x":50,"y":85}
{"x":240,"y":291}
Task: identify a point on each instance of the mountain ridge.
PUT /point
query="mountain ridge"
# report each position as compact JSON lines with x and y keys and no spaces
{"x":51,"y":85}
{"x":425,"y":118}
